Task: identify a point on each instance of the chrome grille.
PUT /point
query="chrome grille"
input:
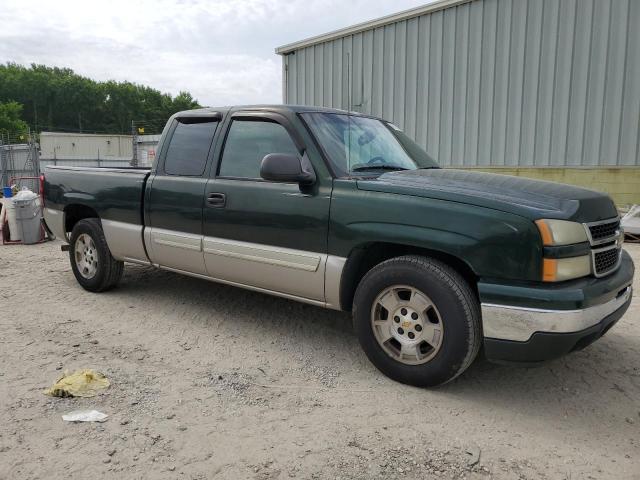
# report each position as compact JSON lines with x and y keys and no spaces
{"x":606,"y":252}
{"x":605,"y":260}
{"x":604,"y":230}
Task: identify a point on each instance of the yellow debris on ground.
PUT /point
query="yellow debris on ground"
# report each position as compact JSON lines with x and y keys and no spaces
{"x":81,"y":383}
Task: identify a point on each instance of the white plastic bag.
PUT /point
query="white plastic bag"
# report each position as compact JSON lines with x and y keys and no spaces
{"x":25,"y":194}
{"x":631,"y":221}
{"x":85,"y":416}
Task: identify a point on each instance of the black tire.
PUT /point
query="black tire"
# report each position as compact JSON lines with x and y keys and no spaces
{"x":455,"y":301}
{"x":109,"y":270}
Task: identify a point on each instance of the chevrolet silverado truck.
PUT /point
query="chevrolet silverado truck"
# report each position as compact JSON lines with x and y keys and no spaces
{"x":345,"y":211}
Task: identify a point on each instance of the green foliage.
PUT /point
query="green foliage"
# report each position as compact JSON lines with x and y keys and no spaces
{"x":10,"y":121}
{"x":57,"y":99}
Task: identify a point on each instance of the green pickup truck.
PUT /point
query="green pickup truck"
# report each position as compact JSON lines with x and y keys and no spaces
{"x":344,"y":211}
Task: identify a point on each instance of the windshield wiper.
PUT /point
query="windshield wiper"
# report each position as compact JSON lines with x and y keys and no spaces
{"x":377,"y":167}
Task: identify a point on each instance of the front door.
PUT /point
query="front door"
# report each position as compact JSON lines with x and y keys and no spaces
{"x":174,"y":197}
{"x":261,"y":234}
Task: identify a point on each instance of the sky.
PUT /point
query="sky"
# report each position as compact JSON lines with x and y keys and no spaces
{"x":222,"y":52}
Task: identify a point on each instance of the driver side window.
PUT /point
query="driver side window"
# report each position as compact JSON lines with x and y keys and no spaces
{"x":247,"y":143}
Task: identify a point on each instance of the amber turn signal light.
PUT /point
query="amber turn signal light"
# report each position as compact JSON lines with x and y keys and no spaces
{"x":549,"y":269}
{"x":545,"y":232}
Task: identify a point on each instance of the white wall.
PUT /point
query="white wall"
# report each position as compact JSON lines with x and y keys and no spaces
{"x":72,"y":146}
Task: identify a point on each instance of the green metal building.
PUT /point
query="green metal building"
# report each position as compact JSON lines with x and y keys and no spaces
{"x":541,"y":88}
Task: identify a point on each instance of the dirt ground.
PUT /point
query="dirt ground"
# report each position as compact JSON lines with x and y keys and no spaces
{"x":211,"y":381}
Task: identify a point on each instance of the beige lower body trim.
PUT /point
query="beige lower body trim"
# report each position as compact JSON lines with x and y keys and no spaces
{"x":332,"y":278}
{"x":291,"y":272}
{"x":125,"y":241}
{"x":55,"y":222}
{"x":308,"y":277}
{"x":279,"y":257}
{"x":249,"y":287}
{"x":178,"y":250}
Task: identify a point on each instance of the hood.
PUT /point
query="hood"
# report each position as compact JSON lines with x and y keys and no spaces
{"x":522,"y":196}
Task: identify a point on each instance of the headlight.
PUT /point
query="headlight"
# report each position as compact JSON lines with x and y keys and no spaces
{"x":561,"y":232}
{"x":560,"y":269}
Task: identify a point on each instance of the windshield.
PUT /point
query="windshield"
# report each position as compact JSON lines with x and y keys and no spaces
{"x":361,"y":145}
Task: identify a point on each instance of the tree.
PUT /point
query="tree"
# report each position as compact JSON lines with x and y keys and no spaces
{"x":10,"y":121}
{"x":59,"y":99}
{"x":184,"y":101}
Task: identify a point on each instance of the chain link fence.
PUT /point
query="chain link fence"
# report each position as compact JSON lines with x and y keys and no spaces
{"x":19,"y":160}
{"x":27,"y":155}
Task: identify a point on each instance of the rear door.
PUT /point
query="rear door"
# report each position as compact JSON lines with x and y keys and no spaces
{"x":263,"y":234}
{"x":174,"y":197}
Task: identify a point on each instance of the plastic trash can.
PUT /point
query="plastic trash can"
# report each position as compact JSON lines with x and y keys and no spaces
{"x":28,"y":218}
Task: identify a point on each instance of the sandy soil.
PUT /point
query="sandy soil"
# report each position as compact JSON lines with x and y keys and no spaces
{"x":211,"y":381}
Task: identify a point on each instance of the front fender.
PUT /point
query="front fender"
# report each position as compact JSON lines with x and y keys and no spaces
{"x":494,"y":244}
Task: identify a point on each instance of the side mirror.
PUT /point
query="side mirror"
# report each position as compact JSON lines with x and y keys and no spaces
{"x":287,"y":168}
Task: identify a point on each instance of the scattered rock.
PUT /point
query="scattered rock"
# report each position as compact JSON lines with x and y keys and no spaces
{"x":474,"y":456}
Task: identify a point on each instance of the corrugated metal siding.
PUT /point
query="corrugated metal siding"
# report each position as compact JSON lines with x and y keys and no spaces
{"x":492,"y":82}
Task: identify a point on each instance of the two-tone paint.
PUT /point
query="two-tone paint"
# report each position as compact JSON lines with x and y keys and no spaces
{"x":310,"y":243}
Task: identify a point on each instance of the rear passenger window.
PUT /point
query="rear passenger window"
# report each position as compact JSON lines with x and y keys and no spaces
{"x":189,"y":147}
{"x":248,"y":142}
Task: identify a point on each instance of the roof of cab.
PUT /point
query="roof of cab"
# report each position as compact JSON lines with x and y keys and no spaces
{"x":267,"y":107}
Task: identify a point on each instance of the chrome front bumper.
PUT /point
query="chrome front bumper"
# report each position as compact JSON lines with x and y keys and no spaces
{"x":504,"y":322}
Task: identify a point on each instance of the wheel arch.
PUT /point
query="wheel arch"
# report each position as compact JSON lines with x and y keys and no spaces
{"x":366,"y":256}
{"x":75,"y":212}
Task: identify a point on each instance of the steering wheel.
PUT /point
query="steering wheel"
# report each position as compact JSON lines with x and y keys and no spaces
{"x":377,"y":161}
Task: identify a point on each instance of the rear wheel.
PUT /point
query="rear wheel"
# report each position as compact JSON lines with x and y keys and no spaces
{"x":417,"y":320}
{"x":91,"y":261}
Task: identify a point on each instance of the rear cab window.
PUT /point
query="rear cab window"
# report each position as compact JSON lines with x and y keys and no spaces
{"x":189,"y":147}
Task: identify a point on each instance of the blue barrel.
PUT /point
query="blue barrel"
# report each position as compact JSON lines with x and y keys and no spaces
{"x":6,"y":191}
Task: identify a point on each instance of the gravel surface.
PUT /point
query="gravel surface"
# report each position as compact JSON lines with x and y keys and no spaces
{"x":210,"y":381}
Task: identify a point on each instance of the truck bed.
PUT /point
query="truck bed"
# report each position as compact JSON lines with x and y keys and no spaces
{"x":113,"y":193}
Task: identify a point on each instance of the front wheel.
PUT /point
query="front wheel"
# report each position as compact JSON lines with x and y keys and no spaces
{"x":417,"y":320}
{"x":91,"y":261}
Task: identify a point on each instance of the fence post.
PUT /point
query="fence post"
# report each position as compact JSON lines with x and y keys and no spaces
{"x":134,"y":145}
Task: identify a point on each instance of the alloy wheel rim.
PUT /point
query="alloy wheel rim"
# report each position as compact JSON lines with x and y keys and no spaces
{"x":86,"y":256}
{"x":407,"y":325}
